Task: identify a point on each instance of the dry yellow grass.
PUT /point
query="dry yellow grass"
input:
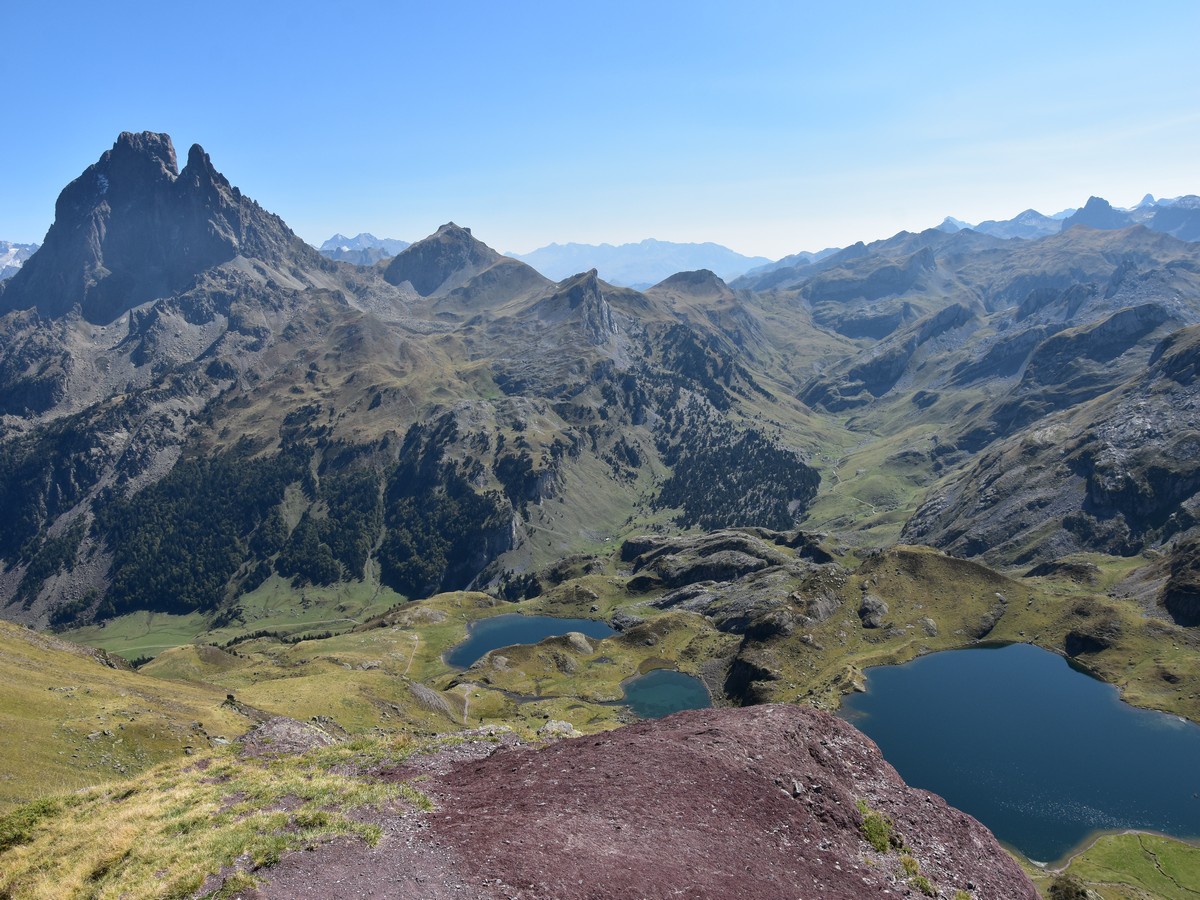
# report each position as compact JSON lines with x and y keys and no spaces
{"x":165,"y":832}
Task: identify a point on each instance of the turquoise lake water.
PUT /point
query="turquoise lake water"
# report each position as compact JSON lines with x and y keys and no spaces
{"x":661,"y":692}
{"x":1041,"y":753}
{"x":513,"y":628}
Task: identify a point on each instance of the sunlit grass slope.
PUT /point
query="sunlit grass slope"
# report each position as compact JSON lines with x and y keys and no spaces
{"x":68,"y":720}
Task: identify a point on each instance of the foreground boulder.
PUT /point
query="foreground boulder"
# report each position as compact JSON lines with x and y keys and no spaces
{"x":758,"y":802}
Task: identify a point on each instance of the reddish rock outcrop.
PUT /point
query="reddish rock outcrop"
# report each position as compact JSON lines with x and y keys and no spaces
{"x":751,"y":803}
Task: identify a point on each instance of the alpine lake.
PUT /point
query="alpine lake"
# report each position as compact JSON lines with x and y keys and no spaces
{"x":1043,"y":754}
{"x":653,"y":695}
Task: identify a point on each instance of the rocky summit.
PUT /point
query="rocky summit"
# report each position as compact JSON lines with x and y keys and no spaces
{"x":767,"y":802}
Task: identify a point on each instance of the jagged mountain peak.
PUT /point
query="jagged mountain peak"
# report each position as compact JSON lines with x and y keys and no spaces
{"x":446,"y":259}
{"x":143,"y":147}
{"x":452,"y":233}
{"x":135,"y":162}
{"x":133,"y":228}
{"x":364,"y":249}
{"x":590,"y":278}
{"x":360,"y":241}
{"x":1098,"y":213}
{"x":580,"y":299}
{"x":199,"y":166}
{"x":580,"y":290}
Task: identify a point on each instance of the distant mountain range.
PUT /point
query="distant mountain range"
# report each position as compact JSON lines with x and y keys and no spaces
{"x":364,"y":249}
{"x":12,"y":256}
{"x":638,"y":265}
{"x":1177,"y":216}
{"x":650,"y":261}
{"x":629,"y":265}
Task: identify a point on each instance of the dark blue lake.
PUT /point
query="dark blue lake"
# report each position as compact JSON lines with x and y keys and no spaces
{"x":1041,"y":753}
{"x":513,"y":628}
{"x":661,"y":692}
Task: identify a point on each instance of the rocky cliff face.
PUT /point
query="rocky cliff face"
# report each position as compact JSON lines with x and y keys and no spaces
{"x":756,"y":803}
{"x":1117,"y":474}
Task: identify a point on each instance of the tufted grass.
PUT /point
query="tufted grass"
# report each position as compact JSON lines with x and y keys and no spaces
{"x":164,"y":833}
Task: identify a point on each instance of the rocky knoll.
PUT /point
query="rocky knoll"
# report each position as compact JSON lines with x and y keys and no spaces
{"x":760,"y":802}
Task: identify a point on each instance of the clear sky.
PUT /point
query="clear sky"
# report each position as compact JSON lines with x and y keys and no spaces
{"x":767,"y":127}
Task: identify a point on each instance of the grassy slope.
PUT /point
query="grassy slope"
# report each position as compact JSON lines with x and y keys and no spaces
{"x":361,"y":680}
{"x":81,"y":723}
{"x":1132,"y":867}
{"x":164,"y":833}
{"x":879,"y":471}
{"x":389,"y":673}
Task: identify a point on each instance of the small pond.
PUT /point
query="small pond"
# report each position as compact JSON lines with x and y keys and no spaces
{"x":513,"y":628}
{"x":1041,"y":753}
{"x":661,"y":692}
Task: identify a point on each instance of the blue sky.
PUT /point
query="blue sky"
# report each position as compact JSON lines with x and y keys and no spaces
{"x":767,"y":127}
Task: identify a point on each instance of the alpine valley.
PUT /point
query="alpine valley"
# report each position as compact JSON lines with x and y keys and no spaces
{"x":248,"y":486}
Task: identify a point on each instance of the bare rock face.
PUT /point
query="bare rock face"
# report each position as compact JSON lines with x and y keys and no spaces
{"x":280,"y":736}
{"x":580,"y":300}
{"x":872,"y":611}
{"x":716,"y":556}
{"x":1181,"y":594}
{"x":1128,"y":480}
{"x":760,"y":802}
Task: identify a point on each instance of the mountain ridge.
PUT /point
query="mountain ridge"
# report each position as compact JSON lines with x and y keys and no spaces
{"x":639,"y":264}
{"x":364,"y":249}
{"x":451,"y":345}
{"x":134,"y":227}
